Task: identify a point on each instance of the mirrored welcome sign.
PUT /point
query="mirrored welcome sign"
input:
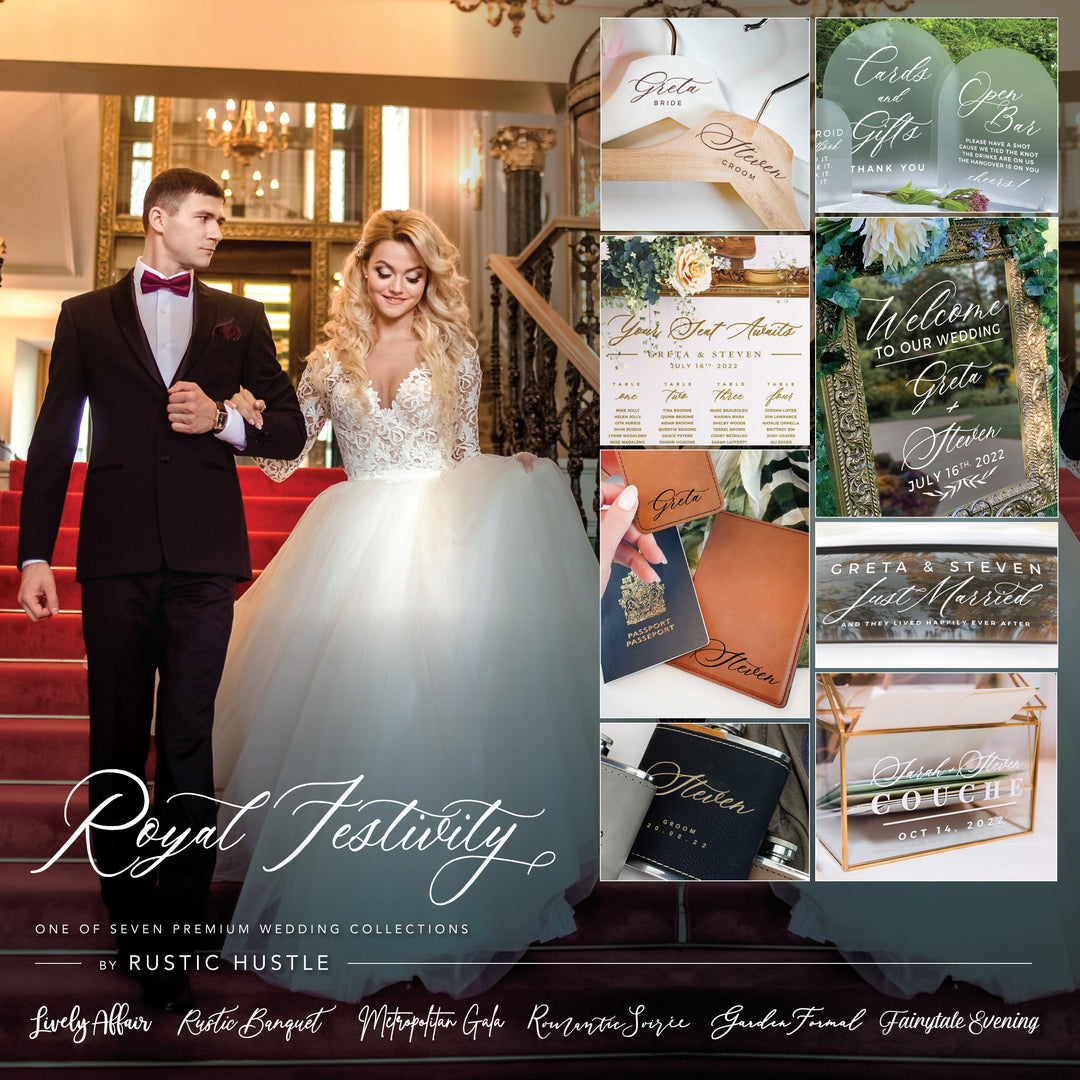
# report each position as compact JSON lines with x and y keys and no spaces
{"x":940,"y":379}
{"x":998,"y":129}
{"x":886,"y":78}
{"x":940,"y":404}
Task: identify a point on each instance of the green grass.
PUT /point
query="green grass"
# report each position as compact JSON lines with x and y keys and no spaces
{"x":959,"y":37}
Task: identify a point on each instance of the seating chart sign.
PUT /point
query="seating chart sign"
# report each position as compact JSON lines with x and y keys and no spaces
{"x":714,"y":371}
{"x":704,"y":341}
{"x":998,"y":129}
{"x":832,"y":153}
{"x":886,"y":77}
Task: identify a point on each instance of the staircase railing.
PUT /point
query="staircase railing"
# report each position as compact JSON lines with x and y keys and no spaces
{"x":544,"y":370}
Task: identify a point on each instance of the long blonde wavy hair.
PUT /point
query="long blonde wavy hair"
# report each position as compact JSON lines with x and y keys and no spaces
{"x":440,"y":320}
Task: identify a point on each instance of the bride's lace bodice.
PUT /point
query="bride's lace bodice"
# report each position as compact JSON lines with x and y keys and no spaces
{"x":381,"y":441}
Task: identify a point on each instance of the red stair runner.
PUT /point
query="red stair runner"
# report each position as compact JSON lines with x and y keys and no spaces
{"x":650,"y":942}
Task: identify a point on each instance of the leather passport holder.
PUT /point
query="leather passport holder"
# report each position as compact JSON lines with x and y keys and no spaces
{"x":674,"y":486}
{"x":753,"y":585}
{"x":644,"y":625}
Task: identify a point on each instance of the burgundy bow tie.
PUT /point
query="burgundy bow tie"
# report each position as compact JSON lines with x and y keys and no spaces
{"x":151,"y":282}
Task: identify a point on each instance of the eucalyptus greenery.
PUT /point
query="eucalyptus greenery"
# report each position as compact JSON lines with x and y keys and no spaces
{"x":634,"y":269}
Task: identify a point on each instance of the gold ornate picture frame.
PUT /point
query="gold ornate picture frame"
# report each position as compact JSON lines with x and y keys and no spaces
{"x":843,"y":401}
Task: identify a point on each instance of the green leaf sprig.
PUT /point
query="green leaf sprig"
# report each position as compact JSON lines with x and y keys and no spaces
{"x":962,"y":199}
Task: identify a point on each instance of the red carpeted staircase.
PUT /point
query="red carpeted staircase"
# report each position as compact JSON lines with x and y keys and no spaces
{"x":686,"y":953}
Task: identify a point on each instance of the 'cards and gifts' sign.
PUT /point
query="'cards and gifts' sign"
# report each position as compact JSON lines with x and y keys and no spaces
{"x":886,"y":78}
{"x":986,"y":124}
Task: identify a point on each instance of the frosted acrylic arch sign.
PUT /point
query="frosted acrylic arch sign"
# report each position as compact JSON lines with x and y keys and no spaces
{"x":832,"y":152}
{"x":886,"y":77}
{"x":997,"y":122}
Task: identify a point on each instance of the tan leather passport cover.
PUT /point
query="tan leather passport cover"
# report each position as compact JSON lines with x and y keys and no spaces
{"x":753,"y":585}
{"x":673,"y":486}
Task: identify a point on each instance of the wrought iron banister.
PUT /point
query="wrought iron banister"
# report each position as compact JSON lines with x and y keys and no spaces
{"x":565,"y":223}
{"x":544,"y":371}
{"x":548,"y":320}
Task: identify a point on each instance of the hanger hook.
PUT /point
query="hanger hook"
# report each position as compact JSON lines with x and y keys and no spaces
{"x":674,"y":38}
{"x":786,"y":86}
{"x":755,"y":25}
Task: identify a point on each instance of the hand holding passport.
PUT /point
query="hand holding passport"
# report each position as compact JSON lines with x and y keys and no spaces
{"x":741,"y":620}
{"x":621,"y":542}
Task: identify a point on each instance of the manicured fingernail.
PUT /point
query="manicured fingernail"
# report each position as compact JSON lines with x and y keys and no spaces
{"x":650,"y":577}
{"x":628,"y":498}
{"x":662,"y":559}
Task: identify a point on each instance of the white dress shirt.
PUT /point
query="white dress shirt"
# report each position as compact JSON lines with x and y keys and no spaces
{"x":167,"y":320}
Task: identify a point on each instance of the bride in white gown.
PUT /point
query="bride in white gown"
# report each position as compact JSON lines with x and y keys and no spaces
{"x":413,"y":678}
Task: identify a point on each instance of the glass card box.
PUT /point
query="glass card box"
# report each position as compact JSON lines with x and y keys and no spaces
{"x":908,"y":768}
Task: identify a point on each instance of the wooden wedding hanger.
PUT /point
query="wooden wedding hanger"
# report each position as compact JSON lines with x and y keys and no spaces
{"x":659,"y":87}
{"x":726,"y":149}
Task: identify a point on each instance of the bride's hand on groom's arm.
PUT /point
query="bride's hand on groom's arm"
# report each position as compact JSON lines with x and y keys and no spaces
{"x":193,"y":412}
{"x":620,"y":540}
{"x":248,"y":406}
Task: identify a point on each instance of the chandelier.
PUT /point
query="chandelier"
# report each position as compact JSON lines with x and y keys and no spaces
{"x":693,"y":9}
{"x":853,"y":9}
{"x":242,"y":136}
{"x":514,"y":10}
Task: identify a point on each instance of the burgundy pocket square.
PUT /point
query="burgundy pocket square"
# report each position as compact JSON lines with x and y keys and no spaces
{"x":227,"y":331}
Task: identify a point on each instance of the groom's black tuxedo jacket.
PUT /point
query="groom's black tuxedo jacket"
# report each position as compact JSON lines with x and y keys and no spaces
{"x":153,"y":496}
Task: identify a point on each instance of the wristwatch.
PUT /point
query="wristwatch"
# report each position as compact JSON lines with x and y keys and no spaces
{"x":222,"y":417}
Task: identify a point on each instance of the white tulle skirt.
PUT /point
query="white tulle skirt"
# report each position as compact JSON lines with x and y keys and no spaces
{"x":1020,"y":941}
{"x":413,"y":681}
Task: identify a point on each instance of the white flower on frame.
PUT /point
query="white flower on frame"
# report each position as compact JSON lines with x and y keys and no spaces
{"x":896,"y":241}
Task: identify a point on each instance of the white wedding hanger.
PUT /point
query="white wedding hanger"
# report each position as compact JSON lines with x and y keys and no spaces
{"x":659,"y":87}
{"x":722,"y":148}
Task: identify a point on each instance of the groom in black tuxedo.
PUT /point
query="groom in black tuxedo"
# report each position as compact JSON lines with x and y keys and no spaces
{"x":179,"y":378}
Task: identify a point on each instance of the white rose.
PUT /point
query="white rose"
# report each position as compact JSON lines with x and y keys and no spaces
{"x":692,"y":272}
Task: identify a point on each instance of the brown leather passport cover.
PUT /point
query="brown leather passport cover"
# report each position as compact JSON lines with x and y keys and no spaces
{"x":753,"y":585}
{"x":673,"y":486}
